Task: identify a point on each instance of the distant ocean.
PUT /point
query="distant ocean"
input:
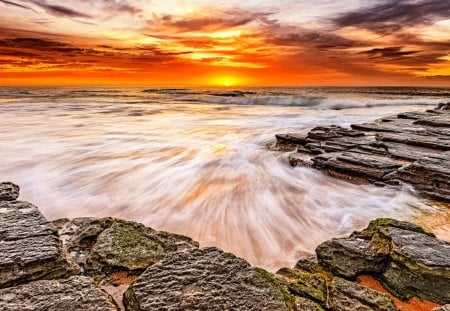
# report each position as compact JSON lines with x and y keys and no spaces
{"x":194,"y":161}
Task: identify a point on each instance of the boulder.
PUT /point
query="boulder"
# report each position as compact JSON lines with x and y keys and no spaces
{"x":8,"y":191}
{"x":73,"y":294}
{"x":106,"y":245}
{"x":204,"y":279}
{"x":352,"y":256}
{"x":419,"y":265}
{"x":346,"y":295}
{"x":29,"y":244}
{"x":410,"y":261}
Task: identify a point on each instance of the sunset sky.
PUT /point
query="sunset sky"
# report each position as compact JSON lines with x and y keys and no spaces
{"x":233,"y":42}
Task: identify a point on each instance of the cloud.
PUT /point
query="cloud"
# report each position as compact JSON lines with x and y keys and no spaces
{"x":213,"y":22}
{"x":393,"y":15}
{"x":395,"y":51}
{"x":18,"y":5}
{"x":59,"y":10}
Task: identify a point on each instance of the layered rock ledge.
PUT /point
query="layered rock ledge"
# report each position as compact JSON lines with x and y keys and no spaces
{"x":411,"y":147}
{"x":111,"y":264}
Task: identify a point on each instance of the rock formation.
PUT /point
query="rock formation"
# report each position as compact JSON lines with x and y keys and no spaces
{"x":412,"y":148}
{"x":43,"y":269}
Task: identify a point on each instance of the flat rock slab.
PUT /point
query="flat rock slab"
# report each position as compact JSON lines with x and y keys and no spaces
{"x":412,"y":147}
{"x":106,"y":245}
{"x":73,"y":294}
{"x":29,"y":245}
{"x":203,"y":279}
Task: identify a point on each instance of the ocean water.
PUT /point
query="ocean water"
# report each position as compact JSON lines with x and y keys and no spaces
{"x":194,"y":161}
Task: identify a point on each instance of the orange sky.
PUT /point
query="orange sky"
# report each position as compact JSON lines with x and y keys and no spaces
{"x":205,"y":42}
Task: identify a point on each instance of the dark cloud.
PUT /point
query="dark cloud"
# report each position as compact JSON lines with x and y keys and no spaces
{"x":38,"y":44}
{"x":59,"y":10}
{"x":321,"y":40}
{"x":224,"y":20}
{"x":392,"y":15}
{"x":394,"y":51}
{"x":18,"y":5}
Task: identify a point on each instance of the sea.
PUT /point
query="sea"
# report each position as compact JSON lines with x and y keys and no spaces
{"x":195,"y":161}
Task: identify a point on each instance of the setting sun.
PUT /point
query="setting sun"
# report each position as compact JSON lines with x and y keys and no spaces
{"x":227,"y":81}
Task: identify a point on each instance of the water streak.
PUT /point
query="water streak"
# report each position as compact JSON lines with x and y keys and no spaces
{"x":194,"y":168}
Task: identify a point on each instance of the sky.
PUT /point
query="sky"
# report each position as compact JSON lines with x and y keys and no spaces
{"x":225,"y":43}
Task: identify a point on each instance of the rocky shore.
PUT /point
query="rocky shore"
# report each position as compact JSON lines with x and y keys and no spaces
{"x":112,"y":264}
{"x":411,"y":147}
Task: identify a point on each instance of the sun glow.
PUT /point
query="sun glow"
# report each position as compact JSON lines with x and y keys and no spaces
{"x":227,"y":81}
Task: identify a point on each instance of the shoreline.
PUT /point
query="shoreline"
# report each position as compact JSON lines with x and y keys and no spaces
{"x":112,"y":264}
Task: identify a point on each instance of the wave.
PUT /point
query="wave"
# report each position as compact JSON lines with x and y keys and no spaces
{"x":313,"y":101}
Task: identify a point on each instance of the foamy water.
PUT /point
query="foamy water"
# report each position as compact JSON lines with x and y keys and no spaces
{"x":195,"y":162}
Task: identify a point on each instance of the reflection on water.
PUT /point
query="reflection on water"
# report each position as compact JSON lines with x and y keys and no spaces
{"x":200,"y":170}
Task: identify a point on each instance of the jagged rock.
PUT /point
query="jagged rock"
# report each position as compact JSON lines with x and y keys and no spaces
{"x":304,"y":304}
{"x":73,"y":294}
{"x":346,"y":295}
{"x":412,"y":262}
{"x":8,"y":191}
{"x":29,"y":245}
{"x":203,"y":279}
{"x":411,"y":147}
{"x":105,"y":245}
{"x":309,"y":264}
{"x":443,"y":308}
{"x":352,"y":256}
{"x":419,"y":266}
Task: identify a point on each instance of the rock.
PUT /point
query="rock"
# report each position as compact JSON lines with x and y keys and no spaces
{"x":8,"y":191}
{"x":419,"y":266}
{"x":443,"y":308}
{"x":204,"y":279}
{"x":75,"y":293}
{"x":106,"y":245}
{"x":352,"y":256}
{"x":411,"y":261}
{"x":304,"y":304}
{"x":345,"y":295}
{"x":29,"y":245}
{"x":411,"y":147}
{"x":309,"y":264}
{"x":304,"y":284}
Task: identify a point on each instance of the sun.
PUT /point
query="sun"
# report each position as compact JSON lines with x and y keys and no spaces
{"x":226,"y":81}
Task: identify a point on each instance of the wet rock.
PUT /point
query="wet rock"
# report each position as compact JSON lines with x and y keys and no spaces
{"x":352,"y":256}
{"x":8,"y":191}
{"x":309,"y":264}
{"x":345,"y":295}
{"x":29,"y":245}
{"x":106,"y":245}
{"x":411,"y":147}
{"x":410,"y":261}
{"x":304,"y":304}
{"x":75,"y":293}
{"x":419,"y":266}
{"x":203,"y":279}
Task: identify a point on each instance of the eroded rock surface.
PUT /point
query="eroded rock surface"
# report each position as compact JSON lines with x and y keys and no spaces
{"x":203,"y":279}
{"x":412,"y":147}
{"x":76,"y":293}
{"x":410,"y":261}
{"x":29,"y":245}
{"x":106,"y":245}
